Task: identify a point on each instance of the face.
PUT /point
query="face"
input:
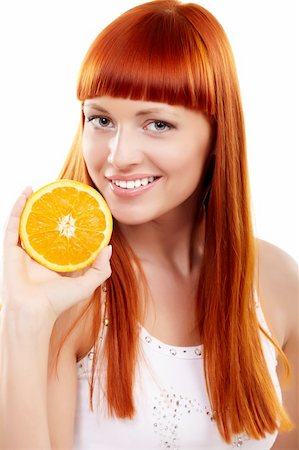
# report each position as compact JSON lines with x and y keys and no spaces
{"x":146,"y":158}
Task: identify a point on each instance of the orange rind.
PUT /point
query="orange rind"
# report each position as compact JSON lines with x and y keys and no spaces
{"x":65,"y":224}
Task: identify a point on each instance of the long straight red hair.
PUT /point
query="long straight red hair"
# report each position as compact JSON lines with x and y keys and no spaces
{"x":179,"y":54}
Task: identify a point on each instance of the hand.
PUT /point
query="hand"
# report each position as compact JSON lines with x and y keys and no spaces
{"x":36,"y":292}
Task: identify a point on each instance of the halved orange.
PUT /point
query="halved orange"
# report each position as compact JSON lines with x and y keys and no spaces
{"x":64,"y":225}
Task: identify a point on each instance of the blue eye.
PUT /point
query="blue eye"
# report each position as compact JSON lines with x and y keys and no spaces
{"x":158,"y":126}
{"x":100,"y":121}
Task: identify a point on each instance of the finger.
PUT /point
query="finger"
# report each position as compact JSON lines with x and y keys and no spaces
{"x":95,"y":275}
{"x":104,"y":255}
{"x":11,"y":235}
{"x":65,"y":292}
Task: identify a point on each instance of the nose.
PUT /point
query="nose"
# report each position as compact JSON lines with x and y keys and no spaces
{"x":124,"y":149}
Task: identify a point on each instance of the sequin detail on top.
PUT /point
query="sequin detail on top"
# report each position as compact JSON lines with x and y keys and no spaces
{"x":239,"y":440}
{"x":168,"y":410}
{"x":192,"y":352}
{"x":173,"y":410}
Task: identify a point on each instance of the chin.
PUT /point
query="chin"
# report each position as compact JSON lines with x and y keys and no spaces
{"x":131,"y":217}
{"x":129,"y":220}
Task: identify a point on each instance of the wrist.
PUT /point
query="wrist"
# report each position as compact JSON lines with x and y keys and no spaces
{"x":22,"y":323}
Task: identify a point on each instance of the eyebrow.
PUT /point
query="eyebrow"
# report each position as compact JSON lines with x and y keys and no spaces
{"x":142,"y":112}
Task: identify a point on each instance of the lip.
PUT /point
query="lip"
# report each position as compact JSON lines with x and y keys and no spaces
{"x":127,"y":193}
{"x":135,"y":176}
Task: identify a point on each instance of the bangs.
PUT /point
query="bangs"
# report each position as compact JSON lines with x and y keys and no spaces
{"x":151,"y":54}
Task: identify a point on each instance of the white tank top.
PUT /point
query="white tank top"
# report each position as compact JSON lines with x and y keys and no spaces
{"x":172,"y":406}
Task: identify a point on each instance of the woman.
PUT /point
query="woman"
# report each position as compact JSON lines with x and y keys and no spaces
{"x":166,"y":338}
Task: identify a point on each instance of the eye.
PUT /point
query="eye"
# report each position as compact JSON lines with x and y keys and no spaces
{"x":158,"y":126}
{"x":100,"y":122}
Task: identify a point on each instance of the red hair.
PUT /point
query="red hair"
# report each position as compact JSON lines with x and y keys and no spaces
{"x":177,"y":53}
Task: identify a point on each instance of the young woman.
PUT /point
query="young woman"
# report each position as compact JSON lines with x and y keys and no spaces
{"x":172,"y":341}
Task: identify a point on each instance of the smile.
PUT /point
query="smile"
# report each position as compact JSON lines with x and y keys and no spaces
{"x":133,"y":184}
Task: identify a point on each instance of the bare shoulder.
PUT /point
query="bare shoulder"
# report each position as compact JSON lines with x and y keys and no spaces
{"x":277,"y":286}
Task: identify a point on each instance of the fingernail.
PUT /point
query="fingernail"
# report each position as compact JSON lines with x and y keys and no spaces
{"x":110,"y":251}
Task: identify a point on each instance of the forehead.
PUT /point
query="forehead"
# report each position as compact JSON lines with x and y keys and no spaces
{"x":128,"y":109}
{"x":137,"y":107}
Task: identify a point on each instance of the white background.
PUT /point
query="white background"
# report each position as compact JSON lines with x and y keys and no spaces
{"x":43,"y":44}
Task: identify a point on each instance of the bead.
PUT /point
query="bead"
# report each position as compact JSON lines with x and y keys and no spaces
{"x":106,"y":321}
{"x":240,"y":442}
{"x":104,"y":288}
{"x":187,"y":352}
{"x":171,"y":409}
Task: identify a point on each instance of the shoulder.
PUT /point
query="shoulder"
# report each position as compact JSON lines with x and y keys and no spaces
{"x":276,"y":279}
{"x":276,"y":266}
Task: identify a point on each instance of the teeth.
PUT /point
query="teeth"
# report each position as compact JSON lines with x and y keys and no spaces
{"x":130,"y":184}
{"x":133,"y":183}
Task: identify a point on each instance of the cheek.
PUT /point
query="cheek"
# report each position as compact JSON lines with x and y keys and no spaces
{"x":199,"y":149}
{"x":188,"y":160}
{"x":187,"y":167}
{"x":93,"y":153}
{"x":192,"y":168}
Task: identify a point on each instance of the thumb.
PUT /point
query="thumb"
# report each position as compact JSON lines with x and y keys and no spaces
{"x":98,"y":272}
{"x":102,"y":258}
{"x":65,"y":292}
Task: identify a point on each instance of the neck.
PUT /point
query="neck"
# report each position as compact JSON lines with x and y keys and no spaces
{"x":174,"y":240}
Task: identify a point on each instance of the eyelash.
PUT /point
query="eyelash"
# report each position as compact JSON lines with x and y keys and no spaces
{"x":168,"y":125}
{"x":92,"y":118}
